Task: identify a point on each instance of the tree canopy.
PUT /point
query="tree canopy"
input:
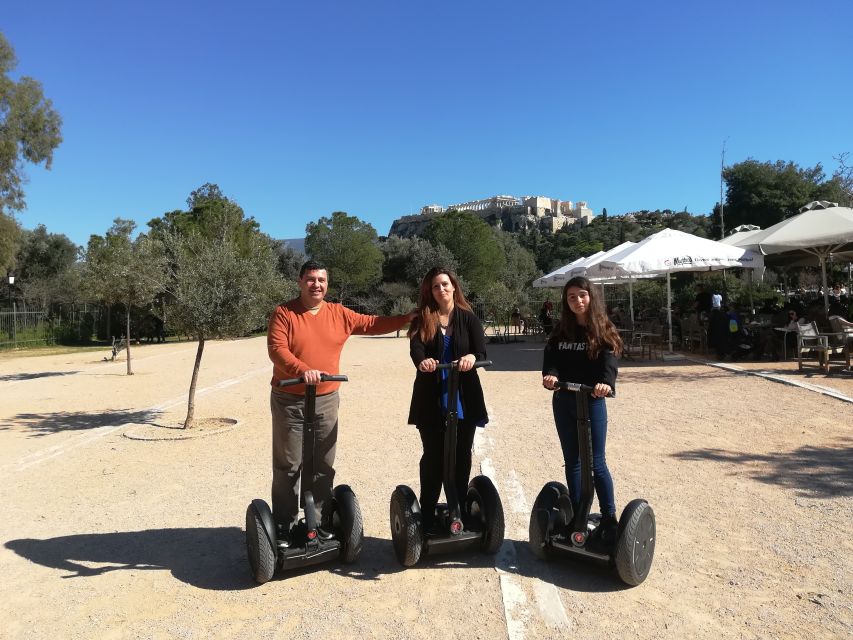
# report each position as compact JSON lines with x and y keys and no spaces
{"x":348,"y":248}
{"x":764,"y":193}
{"x":29,"y":129}
{"x":478,"y":253}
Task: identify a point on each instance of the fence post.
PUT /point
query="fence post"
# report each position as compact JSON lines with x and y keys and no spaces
{"x":14,"y":326}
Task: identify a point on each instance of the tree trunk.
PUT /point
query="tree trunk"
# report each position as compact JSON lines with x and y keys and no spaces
{"x":127,"y":343}
{"x":188,"y":423}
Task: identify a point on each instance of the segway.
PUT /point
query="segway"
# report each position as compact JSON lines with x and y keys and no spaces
{"x":266,"y":552}
{"x":555,"y":529}
{"x":479,"y":523}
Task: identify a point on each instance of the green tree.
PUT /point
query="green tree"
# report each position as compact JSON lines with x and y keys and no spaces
{"x":10,"y":234}
{"x":46,"y":267}
{"x":764,"y":193}
{"x":119,"y":269}
{"x":29,"y":129}
{"x":478,"y":253}
{"x":349,"y":248}
{"x":221,"y":290}
{"x":519,"y":266}
{"x":409,"y":259}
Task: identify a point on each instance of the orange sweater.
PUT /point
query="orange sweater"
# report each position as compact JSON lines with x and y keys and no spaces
{"x":298,"y":341}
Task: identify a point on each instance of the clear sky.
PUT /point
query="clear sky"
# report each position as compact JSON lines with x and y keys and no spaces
{"x":376,"y":108}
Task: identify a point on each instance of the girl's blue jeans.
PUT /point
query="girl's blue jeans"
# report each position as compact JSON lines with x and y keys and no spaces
{"x":566,"y":419}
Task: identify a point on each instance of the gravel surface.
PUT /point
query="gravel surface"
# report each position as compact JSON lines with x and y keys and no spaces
{"x":105,"y":536}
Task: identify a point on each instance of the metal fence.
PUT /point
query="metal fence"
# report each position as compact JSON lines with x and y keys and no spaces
{"x":25,"y":329}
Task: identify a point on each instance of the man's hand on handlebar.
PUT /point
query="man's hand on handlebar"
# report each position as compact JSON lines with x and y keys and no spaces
{"x":549,"y":382}
{"x":312,"y":376}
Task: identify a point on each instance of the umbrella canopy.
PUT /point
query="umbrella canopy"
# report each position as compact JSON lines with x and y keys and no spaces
{"x":670,"y":250}
{"x":548,"y":279}
{"x":590,"y":267}
{"x":821,"y":230}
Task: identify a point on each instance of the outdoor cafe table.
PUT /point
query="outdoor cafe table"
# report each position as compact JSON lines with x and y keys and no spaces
{"x":785,"y":331}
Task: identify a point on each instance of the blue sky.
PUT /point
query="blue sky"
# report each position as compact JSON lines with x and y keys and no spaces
{"x":299,"y":109}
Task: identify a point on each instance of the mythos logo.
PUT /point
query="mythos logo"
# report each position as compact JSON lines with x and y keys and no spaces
{"x":678,"y":261}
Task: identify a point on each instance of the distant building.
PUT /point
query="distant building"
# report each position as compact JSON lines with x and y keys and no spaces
{"x":510,"y":213}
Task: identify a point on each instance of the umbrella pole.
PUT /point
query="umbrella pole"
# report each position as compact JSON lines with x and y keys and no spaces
{"x":669,"y":310}
{"x":825,"y":290}
{"x":751,"y":303}
{"x":631,"y":298}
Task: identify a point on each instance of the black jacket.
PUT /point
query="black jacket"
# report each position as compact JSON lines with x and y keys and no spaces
{"x":468,"y":337}
{"x":569,"y":361}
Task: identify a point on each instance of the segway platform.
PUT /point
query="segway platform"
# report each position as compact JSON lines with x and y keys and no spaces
{"x":556,"y":530}
{"x":305,"y":546}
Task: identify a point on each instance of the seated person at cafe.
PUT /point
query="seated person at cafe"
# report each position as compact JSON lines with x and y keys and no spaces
{"x":792,"y":327}
{"x":517,"y":321}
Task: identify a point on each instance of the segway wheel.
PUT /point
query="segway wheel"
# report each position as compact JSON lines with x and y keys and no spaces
{"x":545,"y":514}
{"x":635,"y":546}
{"x":406,"y":532}
{"x":347,"y":523}
{"x":258,"y":544}
{"x":482,"y":501}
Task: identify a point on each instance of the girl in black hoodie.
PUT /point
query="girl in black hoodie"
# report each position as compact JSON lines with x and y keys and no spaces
{"x":583,"y":348}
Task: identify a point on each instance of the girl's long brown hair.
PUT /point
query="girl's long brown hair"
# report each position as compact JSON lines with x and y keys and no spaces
{"x":600,"y":330}
{"x":425,"y":323}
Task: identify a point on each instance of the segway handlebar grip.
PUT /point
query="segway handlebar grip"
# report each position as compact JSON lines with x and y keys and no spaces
{"x":323,"y":378}
{"x":576,"y":386}
{"x":452,"y":365}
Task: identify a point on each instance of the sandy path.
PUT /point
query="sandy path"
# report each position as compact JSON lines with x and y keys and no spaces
{"x":751,"y":482}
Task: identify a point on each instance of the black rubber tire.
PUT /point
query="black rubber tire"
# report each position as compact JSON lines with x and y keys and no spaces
{"x":258,"y":546}
{"x":635,"y":545}
{"x":406,"y":532}
{"x":482,"y":501}
{"x":543,"y":515}
{"x":347,"y":523}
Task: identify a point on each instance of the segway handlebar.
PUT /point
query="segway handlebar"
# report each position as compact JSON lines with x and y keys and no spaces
{"x":576,"y":386}
{"x":455,"y":363}
{"x":325,"y":377}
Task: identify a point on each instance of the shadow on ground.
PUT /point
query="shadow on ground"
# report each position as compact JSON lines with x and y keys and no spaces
{"x":20,"y":377}
{"x":816,"y":472}
{"x":42,"y":424}
{"x":213,"y":559}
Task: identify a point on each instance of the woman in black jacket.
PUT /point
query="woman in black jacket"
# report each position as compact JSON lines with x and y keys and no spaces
{"x":584,"y":348}
{"x":445,"y":330}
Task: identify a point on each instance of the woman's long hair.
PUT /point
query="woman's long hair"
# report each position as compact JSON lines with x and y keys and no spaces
{"x":600,"y":330}
{"x":426,"y":322}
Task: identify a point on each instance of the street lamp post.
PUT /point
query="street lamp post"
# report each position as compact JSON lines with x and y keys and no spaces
{"x":11,"y":278}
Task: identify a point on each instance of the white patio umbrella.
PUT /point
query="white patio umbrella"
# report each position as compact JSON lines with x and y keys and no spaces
{"x":821,"y":230}
{"x":669,"y":250}
{"x":548,"y":279}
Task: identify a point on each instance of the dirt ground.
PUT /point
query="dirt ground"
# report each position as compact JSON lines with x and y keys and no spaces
{"x":751,"y":481}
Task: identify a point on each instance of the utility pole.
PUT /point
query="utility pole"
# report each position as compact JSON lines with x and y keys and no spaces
{"x":722,"y":167}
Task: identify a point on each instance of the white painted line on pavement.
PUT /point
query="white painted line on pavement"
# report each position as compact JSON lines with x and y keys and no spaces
{"x":48,"y":453}
{"x":516,"y":608}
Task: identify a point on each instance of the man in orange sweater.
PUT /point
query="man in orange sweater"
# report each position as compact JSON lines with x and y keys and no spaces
{"x":305,"y":338}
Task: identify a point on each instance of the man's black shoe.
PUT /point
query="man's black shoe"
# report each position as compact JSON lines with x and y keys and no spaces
{"x":324,"y":534}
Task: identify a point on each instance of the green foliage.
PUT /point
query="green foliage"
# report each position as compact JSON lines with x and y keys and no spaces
{"x":764,"y":193}
{"x":289,"y":261}
{"x":478,"y":253}
{"x":47,"y":268}
{"x":409,"y":259}
{"x":10,"y":234}
{"x":119,"y":269}
{"x":222,"y":290}
{"x":349,"y":249}
{"x":29,"y":129}
{"x":211,"y":215}
{"x":519,"y":266}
